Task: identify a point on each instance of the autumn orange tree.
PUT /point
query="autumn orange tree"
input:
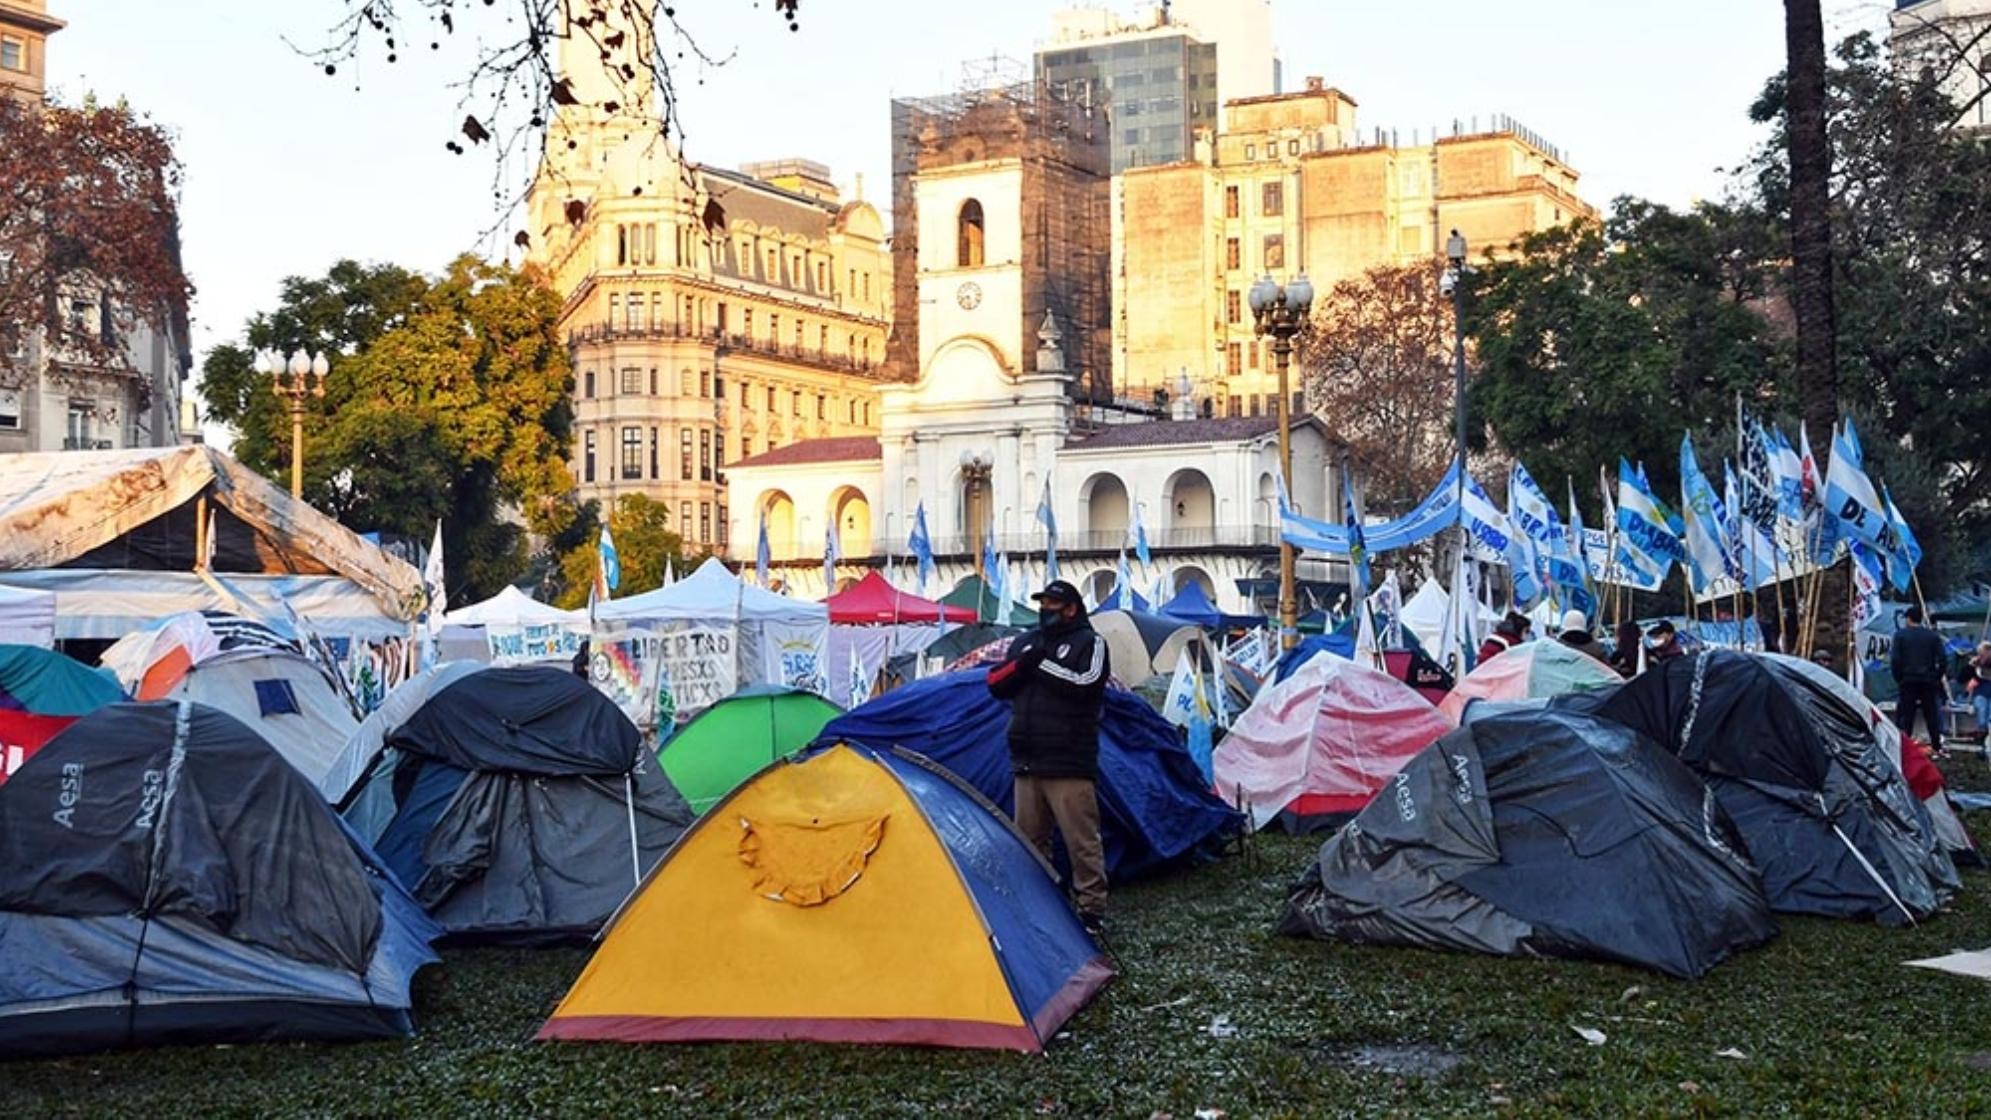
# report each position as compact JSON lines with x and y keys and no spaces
{"x":88,"y":212}
{"x":1376,"y":364}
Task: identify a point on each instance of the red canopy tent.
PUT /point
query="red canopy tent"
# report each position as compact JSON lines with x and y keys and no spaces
{"x":872,"y":601}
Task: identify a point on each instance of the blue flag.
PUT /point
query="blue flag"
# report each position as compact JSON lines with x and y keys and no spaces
{"x":1358,"y":550}
{"x":921,"y":546}
{"x":1646,"y":527}
{"x":1908,"y":551}
{"x":1049,"y":519}
{"x":611,"y":563}
{"x":991,"y":573}
{"x":1708,"y":553}
{"x":1141,"y":538}
{"x":1853,"y":510}
{"x":762,"y":554}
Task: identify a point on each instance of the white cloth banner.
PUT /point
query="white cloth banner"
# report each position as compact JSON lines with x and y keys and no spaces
{"x":796,"y":655}
{"x":525,"y":645}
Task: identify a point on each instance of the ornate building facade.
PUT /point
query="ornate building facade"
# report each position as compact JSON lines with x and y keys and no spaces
{"x":1289,"y":186}
{"x":711,"y":314}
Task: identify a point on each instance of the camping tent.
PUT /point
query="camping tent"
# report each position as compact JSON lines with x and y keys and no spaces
{"x":190,"y":887}
{"x":470,"y":631}
{"x":114,"y":535}
{"x":975,"y":594}
{"x":728,"y":742}
{"x":1154,"y":805}
{"x":1315,"y":747}
{"x":856,"y":896}
{"x":27,"y":617}
{"x":1543,"y":832}
{"x":42,"y":692}
{"x":1535,"y":670}
{"x":150,"y":661}
{"x":773,"y":639}
{"x":1826,"y":815}
{"x":1139,"y":646}
{"x":518,"y":804}
{"x":1191,"y":605}
{"x":282,"y":697}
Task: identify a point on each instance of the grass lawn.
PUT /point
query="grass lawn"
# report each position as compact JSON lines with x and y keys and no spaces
{"x":1827,"y":1021}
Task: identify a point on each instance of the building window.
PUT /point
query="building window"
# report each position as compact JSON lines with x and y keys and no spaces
{"x":719,"y":388}
{"x":588,"y":455}
{"x":13,"y":54}
{"x":1257,"y":408}
{"x":770,"y":399}
{"x":632,"y":381}
{"x":684,"y":383}
{"x":1237,"y":405}
{"x":684,"y":519}
{"x":853,"y":409}
{"x":1251,"y":354}
{"x":968,"y":239}
{"x":704,"y":456}
{"x":656,"y":460}
{"x":705,"y":383}
{"x":614,"y":310}
{"x":621,"y":246}
{"x":798,"y":336}
{"x":635,"y":307}
{"x":822,"y":277}
{"x":795,"y":402}
{"x":719,"y":450}
{"x":656,"y":310}
{"x":866,"y":348}
{"x":867,"y":287}
{"x":852,"y":286}
{"x":705,"y":521}
{"x":1275,"y":251}
{"x":1251,"y":151}
{"x":822,"y":407}
{"x":588,"y":384}
{"x":1233,"y":260}
{"x":1230,"y":202}
{"x":1272,"y":199}
{"x":867,"y":414}
{"x":10,"y":410}
{"x":747,"y":322}
{"x":653,"y":381}
{"x":632,"y":453}
{"x":1233,"y":308}
{"x":822,"y":341}
{"x":650,"y":243}
{"x":743,"y":394}
{"x":1234,"y":359}
{"x":774,"y":330}
{"x":723,"y":529}
{"x":684,"y":455}
{"x":722,"y":316}
{"x":1293,"y":147}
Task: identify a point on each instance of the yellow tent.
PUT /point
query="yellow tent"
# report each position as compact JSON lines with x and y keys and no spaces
{"x":849,"y":897}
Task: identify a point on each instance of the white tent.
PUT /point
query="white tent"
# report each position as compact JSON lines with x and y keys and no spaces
{"x":1424,"y":614}
{"x":27,"y":617}
{"x":281,"y":696}
{"x":522,"y":628}
{"x":772,"y":639}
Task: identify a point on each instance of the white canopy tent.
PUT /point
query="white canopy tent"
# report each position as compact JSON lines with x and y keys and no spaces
{"x":773,"y":639}
{"x":512,"y":607}
{"x":467,"y":631}
{"x":27,"y":617}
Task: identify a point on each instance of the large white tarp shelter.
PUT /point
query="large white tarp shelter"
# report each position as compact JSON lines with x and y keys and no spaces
{"x":117,"y":537}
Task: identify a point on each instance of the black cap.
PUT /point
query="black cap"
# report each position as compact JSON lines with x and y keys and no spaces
{"x":1058,"y":591}
{"x":1661,"y":627}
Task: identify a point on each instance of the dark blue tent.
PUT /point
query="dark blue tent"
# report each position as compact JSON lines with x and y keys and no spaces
{"x":1191,"y":605}
{"x":165,"y":876}
{"x":1546,"y":833}
{"x":1154,"y":804}
{"x":1306,"y":649}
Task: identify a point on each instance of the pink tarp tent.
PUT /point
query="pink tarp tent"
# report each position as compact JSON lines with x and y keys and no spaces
{"x":1530,"y":671}
{"x":1319,"y":744}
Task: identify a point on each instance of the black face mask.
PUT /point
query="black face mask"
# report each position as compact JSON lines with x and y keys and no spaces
{"x":1048,"y":617}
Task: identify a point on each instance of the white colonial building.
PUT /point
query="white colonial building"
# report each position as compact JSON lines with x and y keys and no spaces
{"x":993,"y":415}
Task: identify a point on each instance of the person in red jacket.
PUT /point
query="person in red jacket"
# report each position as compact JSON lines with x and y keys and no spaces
{"x":1507,"y":633}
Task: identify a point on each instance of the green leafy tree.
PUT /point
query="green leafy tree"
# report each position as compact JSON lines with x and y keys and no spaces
{"x":448,"y":399}
{"x":1612,"y":339}
{"x":645,"y":546}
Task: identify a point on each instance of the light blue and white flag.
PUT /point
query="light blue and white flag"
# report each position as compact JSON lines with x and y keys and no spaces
{"x":999,"y":588}
{"x":1647,"y":529}
{"x":1358,"y":549}
{"x":1582,"y":594}
{"x":1491,"y":530}
{"x":1049,"y":519}
{"x":1122,"y":598}
{"x":1530,"y":511}
{"x":832,"y":552}
{"x":1708,"y":553}
{"x":1908,"y":551}
{"x":1853,"y":510}
{"x":921,"y":546}
{"x":1868,"y":576}
{"x":1141,"y":538}
{"x":991,"y":573}
{"x":763,"y":554}
{"x":1756,"y":555}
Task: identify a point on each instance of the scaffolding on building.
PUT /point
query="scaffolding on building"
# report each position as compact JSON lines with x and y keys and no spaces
{"x":1062,"y":145}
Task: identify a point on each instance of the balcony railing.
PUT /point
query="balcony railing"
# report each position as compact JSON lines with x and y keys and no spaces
{"x":724,"y":341}
{"x":71,"y":443}
{"x":1098,"y":542}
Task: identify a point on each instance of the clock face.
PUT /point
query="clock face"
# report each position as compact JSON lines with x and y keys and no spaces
{"x":969,"y":296}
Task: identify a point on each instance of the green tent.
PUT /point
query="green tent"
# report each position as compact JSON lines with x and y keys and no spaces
{"x":975,"y":595}
{"x":734,"y":739}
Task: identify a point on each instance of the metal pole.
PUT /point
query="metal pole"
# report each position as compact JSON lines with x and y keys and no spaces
{"x":1455,"y":249}
{"x":1289,"y":607}
{"x":296,"y":444}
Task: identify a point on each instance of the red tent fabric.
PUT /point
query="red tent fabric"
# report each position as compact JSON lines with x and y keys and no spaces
{"x":24,"y":733}
{"x":872,"y":601}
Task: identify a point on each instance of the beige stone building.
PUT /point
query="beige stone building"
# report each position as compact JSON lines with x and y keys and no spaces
{"x":1950,"y":39}
{"x":55,"y":401}
{"x":1291,"y":185}
{"x":712,"y":314}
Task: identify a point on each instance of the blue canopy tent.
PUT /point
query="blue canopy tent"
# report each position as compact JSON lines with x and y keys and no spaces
{"x":1191,"y":605}
{"x":1155,"y":807}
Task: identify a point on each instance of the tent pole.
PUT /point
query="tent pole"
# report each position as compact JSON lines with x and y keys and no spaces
{"x":635,"y":852}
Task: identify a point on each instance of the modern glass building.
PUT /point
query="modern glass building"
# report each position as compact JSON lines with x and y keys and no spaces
{"x":1157,"y":85}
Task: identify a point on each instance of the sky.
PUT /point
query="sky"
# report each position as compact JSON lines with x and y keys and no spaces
{"x":288,"y":170}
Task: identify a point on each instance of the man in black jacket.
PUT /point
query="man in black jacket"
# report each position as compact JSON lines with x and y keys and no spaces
{"x":1055,"y":681}
{"x":1918,"y":660}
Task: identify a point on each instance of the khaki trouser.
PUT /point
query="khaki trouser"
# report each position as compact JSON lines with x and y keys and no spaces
{"x":1072,"y":805}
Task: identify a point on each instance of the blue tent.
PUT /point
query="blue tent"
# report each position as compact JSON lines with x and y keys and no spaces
{"x":190,"y":886}
{"x":1191,"y":605}
{"x":1339,"y":644}
{"x":1154,"y":804}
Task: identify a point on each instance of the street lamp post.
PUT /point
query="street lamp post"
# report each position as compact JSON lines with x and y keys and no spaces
{"x":1281,"y":312}
{"x":1455,"y":252}
{"x":297,"y":378}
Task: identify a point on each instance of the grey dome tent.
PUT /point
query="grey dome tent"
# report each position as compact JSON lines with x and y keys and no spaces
{"x":1825,"y":814}
{"x":1540,"y":833}
{"x":165,"y":876}
{"x":518,"y":804}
